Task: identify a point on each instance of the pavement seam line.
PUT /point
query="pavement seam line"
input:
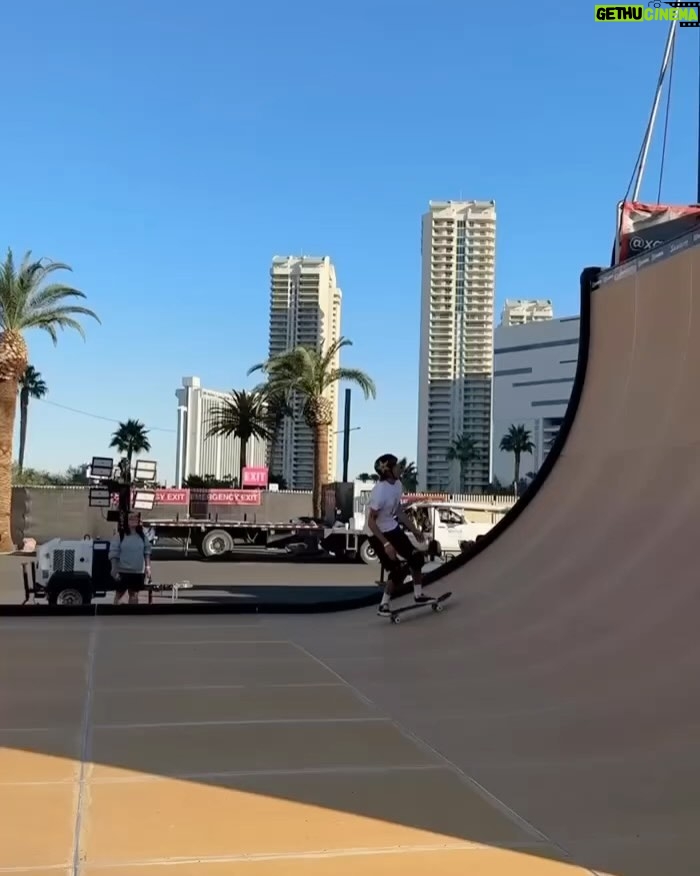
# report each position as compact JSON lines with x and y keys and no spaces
{"x":340,"y":769}
{"x":325,"y":854}
{"x":485,"y":794}
{"x":234,"y":643}
{"x":85,"y":744}
{"x":139,"y":779}
{"x":243,"y":722}
{"x":191,"y":687}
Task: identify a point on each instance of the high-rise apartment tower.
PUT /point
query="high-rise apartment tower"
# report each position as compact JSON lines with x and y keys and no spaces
{"x":456,"y":343}
{"x":304,"y":310}
{"x":521,"y":311}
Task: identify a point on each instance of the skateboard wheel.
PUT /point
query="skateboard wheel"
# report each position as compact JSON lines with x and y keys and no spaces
{"x":396,"y":620}
{"x":437,"y":608}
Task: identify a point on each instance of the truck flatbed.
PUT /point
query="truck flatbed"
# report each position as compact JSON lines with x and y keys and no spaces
{"x":215,"y":538}
{"x":195,"y":523}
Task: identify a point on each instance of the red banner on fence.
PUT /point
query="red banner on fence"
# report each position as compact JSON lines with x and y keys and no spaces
{"x":255,"y":476}
{"x":227,"y":497}
{"x":172,"y":497}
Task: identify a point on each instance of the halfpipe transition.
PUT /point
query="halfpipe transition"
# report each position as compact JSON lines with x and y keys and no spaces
{"x":546,"y":724}
{"x":582,"y":607}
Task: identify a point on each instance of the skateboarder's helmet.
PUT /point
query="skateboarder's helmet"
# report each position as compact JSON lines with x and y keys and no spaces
{"x":384,"y":465}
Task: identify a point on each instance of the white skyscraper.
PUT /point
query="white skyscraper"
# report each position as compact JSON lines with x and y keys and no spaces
{"x":197,"y":452}
{"x":456,"y":341}
{"x":304,"y":310}
{"x":520,"y":311}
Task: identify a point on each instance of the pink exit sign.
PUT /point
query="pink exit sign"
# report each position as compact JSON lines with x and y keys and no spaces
{"x":255,"y":476}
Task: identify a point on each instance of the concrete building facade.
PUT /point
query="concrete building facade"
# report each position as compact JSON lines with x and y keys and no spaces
{"x":198,"y":454}
{"x":534,"y":369}
{"x":458,"y":251}
{"x":305,"y":309}
{"x":519,"y":311}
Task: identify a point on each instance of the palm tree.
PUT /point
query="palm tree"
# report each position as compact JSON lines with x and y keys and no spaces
{"x":31,"y":385}
{"x":246,"y":415}
{"x":465,"y":450}
{"x":409,"y":475}
{"x":130,"y":439}
{"x":307,"y":374}
{"x":517,"y":440}
{"x":27,"y":301}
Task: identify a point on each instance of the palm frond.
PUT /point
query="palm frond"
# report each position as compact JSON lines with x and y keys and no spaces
{"x":517,"y":440}
{"x":26,"y":302}
{"x":463,"y":449}
{"x":356,"y":376}
{"x":33,"y":383}
{"x":50,"y":321}
{"x":243,"y":414}
{"x":131,"y":437}
{"x":49,"y":295}
{"x":333,"y":349}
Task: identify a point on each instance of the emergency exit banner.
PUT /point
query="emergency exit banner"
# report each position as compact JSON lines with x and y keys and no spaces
{"x":255,"y":476}
{"x":172,"y":497}
{"x":227,"y":497}
{"x":163,"y":497}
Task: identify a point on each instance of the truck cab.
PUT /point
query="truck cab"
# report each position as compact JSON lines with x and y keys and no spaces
{"x":444,"y":524}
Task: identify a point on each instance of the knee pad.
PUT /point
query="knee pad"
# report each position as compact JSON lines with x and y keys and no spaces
{"x":416,"y":561}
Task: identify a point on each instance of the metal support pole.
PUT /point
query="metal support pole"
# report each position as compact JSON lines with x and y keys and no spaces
{"x":697,"y":201}
{"x":124,"y":492}
{"x":655,"y":108}
{"x":346,"y":435}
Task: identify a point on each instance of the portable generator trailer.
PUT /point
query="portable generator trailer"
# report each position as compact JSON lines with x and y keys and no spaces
{"x":75,"y":572}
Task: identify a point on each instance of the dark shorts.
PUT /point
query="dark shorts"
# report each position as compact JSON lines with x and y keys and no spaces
{"x":131,"y":581}
{"x":407,"y":551}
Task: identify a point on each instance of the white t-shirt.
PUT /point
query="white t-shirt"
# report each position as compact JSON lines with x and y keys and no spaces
{"x":385,"y":500}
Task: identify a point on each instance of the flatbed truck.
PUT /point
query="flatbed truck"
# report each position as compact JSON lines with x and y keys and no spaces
{"x":442,"y":522}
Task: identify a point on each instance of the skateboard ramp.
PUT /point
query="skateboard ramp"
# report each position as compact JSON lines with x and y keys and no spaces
{"x":547,"y":723}
{"x":582,"y":612}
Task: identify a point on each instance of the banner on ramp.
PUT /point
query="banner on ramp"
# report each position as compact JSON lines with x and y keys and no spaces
{"x":643,"y":227}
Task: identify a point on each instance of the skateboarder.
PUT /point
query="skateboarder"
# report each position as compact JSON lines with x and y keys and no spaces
{"x":386,"y":521}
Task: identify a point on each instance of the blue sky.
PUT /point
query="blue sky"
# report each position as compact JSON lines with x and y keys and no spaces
{"x":168,"y":150}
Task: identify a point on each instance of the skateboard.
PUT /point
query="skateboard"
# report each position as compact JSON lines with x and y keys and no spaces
{"x":435,"y":604}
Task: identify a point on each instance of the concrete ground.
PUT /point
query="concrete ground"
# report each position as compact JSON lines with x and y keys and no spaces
{"x":220,"y":746}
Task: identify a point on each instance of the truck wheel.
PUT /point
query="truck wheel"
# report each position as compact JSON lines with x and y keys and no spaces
{"x":216,"y":543}
{"x":368,"y":554}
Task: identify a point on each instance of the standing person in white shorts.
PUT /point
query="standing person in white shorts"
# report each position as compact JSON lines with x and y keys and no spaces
{"x":386,"y":521}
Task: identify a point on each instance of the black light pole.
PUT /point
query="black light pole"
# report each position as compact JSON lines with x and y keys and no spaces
{"x":698,"y":140}
{"x":124,"y":491}
{"x":346,"y":435}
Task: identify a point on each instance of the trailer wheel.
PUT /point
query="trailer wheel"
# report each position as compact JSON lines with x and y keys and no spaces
{"x":69,"y":596}
{"x":216,"y":543}
{"x":68,"y":593}
{"x":368,"y":554}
